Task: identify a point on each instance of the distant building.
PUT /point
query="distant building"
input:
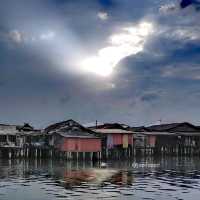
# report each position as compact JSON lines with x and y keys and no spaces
{"x":18,"y":136}
{"x":171,"y":138}
{"x":8,"y":135}
{"x":20,"y":141}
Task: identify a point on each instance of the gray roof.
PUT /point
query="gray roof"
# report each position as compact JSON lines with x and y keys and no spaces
{"x":174,"y":127}
{"x":75,"y":134}
{"x":6,"y":129}
{"x":111,"y":126}
{"x":70,"y":128}
{"x":112,"y":131}
{"x":183,"y":127}
{"x":157,"y":133}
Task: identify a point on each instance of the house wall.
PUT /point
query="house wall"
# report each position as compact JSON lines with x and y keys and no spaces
{"x":118,"y":139}
{"x":80,"y":144}
{"x":151,"y":141}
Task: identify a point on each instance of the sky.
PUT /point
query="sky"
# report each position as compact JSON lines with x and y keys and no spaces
{"x":134,"y":62}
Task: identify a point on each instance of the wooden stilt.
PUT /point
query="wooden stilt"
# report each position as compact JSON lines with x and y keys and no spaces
{"x":36,"y":153}
{"x":27,"y":153}
{"x":77,"y":156}
{"x":100,"y":155}
{"x":91,"y":156}
{"x":40,"y":153}
{"x":10,"y":154}
{"x":22,"y":152}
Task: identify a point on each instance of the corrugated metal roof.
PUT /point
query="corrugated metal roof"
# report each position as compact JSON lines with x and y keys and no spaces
{"x":113,"y":131}
{"x":157,"y":133}
{"x":110,"y":126}
{"x":70,"y":128}
{"x":75,"y":135}
{"x":17,"y":130}
{"x":174,"y":127}
{"x":170,"y":133}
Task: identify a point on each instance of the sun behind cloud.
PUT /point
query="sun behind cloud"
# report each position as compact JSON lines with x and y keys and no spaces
{"x":129,"y":41}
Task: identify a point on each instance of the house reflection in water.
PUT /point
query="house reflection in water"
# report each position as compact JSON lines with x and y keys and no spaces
{"x":98,"y":177}
{"x":122,"y":178}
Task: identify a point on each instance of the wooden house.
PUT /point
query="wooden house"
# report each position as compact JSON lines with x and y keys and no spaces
{"x":176,"y":138}
{"x":16,"y":140}
{"x":117,"y":142}
{"x":15,"y":135}
{"x":8,"y":135}
{"x":30,"y":136}
{"x":70,"y":137}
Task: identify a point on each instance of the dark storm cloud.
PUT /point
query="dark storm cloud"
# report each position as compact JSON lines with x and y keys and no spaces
{"x":149,"y":97}
{"x":65,"y":99}
{"x":38,"y":86}
{"x":169,"y":66}
{"x":106,"y":3}
{"x":2,"y":83}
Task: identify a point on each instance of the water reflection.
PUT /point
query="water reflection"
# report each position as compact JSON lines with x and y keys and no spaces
{"x":152,"y":178}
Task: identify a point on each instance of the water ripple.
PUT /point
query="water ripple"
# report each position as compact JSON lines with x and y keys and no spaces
{"x":46,"y":180}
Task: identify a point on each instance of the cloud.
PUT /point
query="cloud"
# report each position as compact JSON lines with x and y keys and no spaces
{"x":19,"y":37}
{"x":16,"y":36}
{"x":2,"y":83}
{"x":182,"y":33}
{"x":106,"y":3}
{"x":48,"y":35}
{"x":102,"y":16}
{"x":129,"y":41}
{"x":182,"y":71}
{"x":149,"y":97}
{"x":137,"y":82}
{"x":168,"y":8}
{"x":65,"y":99}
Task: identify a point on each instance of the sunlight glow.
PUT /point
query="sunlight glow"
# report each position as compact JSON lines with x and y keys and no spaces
{"x":128,"y":42}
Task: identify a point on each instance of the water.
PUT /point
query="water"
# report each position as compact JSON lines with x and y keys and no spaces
{"x":163,"y":178}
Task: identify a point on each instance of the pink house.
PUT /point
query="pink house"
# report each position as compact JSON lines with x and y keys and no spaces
{"x":71,"y":137}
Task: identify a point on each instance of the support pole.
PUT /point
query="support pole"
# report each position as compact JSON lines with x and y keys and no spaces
{"x":27,"y":153}
{"x":40,"y":153}
{"x":36,"y":153}
{"x":70,"y":155}
{"x":100,"y":155}
{"x":77,"y":155}
{"x":51,"y":153}
{"x":10,"y":154}
{"x":106,"y":153}
{"x":22,"y":153}
{"x":91,"y":155}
